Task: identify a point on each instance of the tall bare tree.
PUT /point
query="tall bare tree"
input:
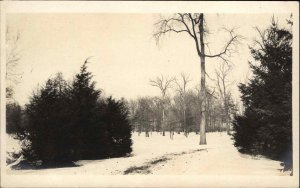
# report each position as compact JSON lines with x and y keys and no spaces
{"x":223,"y":86}
{"x":195,"y":26}
{"x":182,"y":89}
{"x":163,"y":84}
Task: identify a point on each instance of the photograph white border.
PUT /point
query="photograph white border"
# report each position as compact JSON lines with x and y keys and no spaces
{"x":9,"y":7}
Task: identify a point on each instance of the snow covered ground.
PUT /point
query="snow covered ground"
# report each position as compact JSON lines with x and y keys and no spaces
{"x":158,"y":155}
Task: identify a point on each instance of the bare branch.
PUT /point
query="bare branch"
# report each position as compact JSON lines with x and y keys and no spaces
{"x":262,"y":37}
{"x":12,"y":57}
{"x":170,"y":25}
{"x":194,"y":33}
{"x":221,"y":79}
{"x":178,"y":25}
{"x":158,"y":34}
{"x":181,"y":87}
{"x":227,"y":49}
{"x":162,"y":83}
{"x":186,"y":25}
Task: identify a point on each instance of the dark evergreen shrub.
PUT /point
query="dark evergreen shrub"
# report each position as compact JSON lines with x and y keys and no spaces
{"x":69,"y":122}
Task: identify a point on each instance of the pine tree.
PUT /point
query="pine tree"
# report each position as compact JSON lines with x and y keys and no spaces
{"x":266,"y":126}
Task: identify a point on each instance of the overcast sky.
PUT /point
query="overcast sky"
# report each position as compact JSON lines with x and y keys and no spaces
{"x":124,"y":53}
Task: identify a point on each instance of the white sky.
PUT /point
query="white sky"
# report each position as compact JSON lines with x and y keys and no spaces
{"x":124,"y":53}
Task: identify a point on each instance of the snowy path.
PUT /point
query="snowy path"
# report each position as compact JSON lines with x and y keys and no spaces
{"x":180,"y":156}
{"x":220,"y":157}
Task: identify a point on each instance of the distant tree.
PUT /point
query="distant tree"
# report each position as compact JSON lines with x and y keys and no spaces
{"x":266,"y":126}
{"x":132,"y":105}
{"x":144,"y":115}
{"x":186,"y":117}
{"x":174,"y":120}
{"x":210,"y":112}
{"x":13,"y":109}
{"x":223,"y":84}
{"x":12,"y":60}
{"x":157,"y":113}
{"x":182,"y":90}
{"x":163,"y":85}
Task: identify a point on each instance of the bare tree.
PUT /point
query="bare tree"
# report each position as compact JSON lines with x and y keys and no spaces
{"x":182,"y":89}
{"x":163,"y":84}
{"x":194,"y":26}
{"x":12,"y":60}
{"x":223,"y":86}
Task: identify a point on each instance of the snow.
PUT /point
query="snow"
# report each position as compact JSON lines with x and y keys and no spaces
{"x":13,"y":145}
{"x":159,"y":155}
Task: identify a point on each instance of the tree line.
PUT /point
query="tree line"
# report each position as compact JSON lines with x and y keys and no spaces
{"x":180,"y":113}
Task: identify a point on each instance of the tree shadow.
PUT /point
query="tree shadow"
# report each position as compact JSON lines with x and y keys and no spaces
{"x":25,"y":165}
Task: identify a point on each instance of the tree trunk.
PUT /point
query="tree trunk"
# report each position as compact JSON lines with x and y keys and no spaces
{"x":163,"y":122}
{"x":202,"y":89}
{"x":227,"y":120}
{"x":226,"y":113}
{"x":184,"y":121}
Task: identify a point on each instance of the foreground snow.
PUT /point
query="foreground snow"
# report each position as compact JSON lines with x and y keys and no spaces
{"x":180,"y":156}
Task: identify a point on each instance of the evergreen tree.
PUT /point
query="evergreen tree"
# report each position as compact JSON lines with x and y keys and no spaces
{"x":101,"y":127}
{"x":47,"y":127}
{"x":118,"y":127}
{"x":266,"y":126}
{"x":89,"y":131}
